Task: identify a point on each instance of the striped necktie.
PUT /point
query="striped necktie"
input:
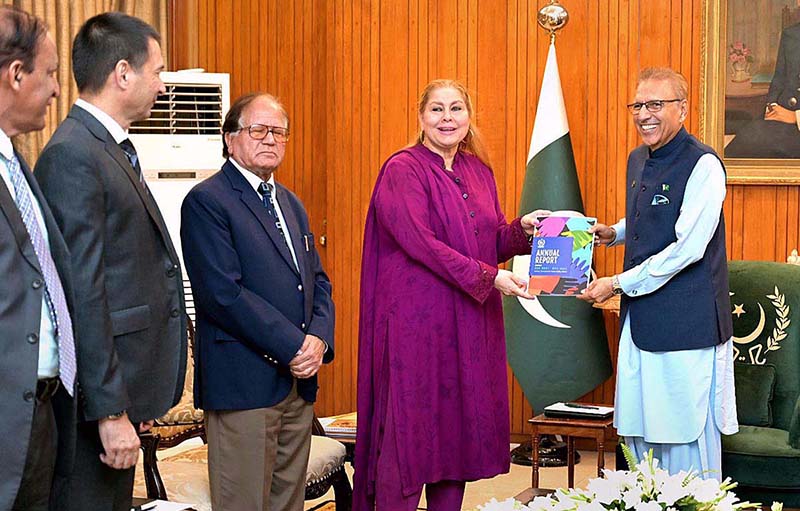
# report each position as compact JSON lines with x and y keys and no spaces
{"x":265,"y":189}
{"x":133,"y":158}
{"x":54,"y":292}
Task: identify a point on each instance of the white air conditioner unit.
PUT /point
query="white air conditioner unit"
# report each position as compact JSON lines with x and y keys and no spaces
{"x":182,"y":139}
{"x":180,"y":143}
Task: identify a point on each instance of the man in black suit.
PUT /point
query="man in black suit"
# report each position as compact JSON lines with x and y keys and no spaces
{"x":37,"y":366}
{"x":777,"y":135}
{"x":264,"y":315}
{"x":129,"y":308}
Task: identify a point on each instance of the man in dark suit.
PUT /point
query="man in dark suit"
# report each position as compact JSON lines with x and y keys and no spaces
{"x":129,"y":308}
{"x":264,"y":315}
{"x":777,"y":135}
{"x":37,"y":366}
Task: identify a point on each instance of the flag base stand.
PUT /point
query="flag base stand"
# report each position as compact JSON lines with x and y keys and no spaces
{"x":552,"y":453}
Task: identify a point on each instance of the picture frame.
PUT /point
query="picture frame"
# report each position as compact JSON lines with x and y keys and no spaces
{"x":715,"y":104}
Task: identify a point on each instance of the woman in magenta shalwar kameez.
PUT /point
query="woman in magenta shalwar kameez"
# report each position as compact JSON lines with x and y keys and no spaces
{"x":432,"y":383}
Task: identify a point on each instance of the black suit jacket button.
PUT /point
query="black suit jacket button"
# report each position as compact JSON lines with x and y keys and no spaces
{"x":174,"y":313}
{"x":170,"y":273}
{"x":28,"y":395}
{"x":32,"y":338}
{"x":37,"y":283}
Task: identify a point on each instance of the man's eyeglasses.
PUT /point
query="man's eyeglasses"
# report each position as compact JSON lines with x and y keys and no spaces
{"x":260,"y":131}
{"x":654,"y":105}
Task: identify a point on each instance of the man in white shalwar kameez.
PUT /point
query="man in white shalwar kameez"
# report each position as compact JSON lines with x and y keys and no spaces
{"x":674,"y":391}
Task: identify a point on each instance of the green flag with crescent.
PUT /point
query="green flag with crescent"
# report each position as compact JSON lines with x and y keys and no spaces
{"x":557,"y":346}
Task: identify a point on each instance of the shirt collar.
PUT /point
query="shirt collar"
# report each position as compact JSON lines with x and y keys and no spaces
{"x":103,"y":118}
{"x":6,"y":148}
{"x":251,"y":178}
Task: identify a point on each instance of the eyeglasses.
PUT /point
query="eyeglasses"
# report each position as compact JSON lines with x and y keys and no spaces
{"x":260,"y":131}
{"x":654,"y":105}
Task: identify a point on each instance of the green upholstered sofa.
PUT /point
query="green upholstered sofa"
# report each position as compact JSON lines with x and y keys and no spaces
{"x":764,"y":457}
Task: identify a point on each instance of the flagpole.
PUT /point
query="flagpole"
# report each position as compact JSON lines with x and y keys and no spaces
{"x":552,"y":17}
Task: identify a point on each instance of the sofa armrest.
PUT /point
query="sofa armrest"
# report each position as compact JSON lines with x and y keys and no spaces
{"x":794,"y":426}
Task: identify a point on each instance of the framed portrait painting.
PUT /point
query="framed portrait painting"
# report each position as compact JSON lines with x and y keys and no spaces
{"x":750,"y":109}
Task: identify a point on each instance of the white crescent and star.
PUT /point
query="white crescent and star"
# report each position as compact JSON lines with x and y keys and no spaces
{"x":752,"y":336}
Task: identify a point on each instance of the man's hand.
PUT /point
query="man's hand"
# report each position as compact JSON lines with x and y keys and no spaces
{"x":120,"y":442}
{"x":530,"y":221}
{"x":603,"y":234}
{"x":775,"y":112}
{"x":598,"y":291}
{"x":308,"y":361}
{"x":511,"y":285}
{"x":146,"y":426}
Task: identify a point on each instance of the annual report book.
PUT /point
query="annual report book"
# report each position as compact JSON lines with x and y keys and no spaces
{"x":561,"y":256}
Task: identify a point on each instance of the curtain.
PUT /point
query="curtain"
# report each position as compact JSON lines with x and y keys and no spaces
{"x":64,"y":18}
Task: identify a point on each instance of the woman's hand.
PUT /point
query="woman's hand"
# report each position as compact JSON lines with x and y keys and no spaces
{"x":511,"y":285}
{"x":531,"y":221}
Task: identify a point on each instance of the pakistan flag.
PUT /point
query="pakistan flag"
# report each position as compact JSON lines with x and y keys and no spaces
{"x":557,"y":346}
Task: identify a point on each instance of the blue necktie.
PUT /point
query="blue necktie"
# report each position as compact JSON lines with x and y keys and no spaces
{"x":265,"y":189}
{"x":54,"y":293}
{"x":133,"y":158}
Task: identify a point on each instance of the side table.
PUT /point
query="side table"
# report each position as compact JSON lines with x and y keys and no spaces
{"x":599,"y":429}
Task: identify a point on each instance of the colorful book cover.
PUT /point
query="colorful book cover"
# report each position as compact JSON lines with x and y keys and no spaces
{"x":561,"y":256}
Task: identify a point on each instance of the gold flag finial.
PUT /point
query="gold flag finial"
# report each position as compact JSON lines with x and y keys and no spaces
{"x":552,"y":17}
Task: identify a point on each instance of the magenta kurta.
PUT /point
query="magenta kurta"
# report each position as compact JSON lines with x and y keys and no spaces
{"x":431,"y":340}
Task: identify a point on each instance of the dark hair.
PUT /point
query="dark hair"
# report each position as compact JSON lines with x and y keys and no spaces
{"x":103,"y":41}
{"x":20,"y":34}
{"x":233,"y":118}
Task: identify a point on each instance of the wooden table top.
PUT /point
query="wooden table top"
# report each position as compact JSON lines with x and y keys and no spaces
{"x":544,"y":420}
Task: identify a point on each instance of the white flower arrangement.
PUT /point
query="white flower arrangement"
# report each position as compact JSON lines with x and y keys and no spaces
{"x":643,"y":488}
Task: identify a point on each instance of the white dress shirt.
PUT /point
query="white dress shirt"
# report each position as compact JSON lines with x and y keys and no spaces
{"x":255,"y":182}
{"x":103,"y":118}
{"x":48,"y":346}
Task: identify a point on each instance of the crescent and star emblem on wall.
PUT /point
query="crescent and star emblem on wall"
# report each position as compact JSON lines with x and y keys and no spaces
{"x":757,"y":353}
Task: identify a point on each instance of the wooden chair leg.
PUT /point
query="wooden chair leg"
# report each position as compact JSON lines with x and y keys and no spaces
{"x":342,"y":491}
{"x":152,"y":477}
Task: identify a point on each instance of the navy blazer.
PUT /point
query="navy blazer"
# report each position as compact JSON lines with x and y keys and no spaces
{"x":253,"y":307}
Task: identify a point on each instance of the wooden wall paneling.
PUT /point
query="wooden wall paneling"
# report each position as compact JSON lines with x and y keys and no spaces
{"x":792,"y":221}
{"x":329,"y":390}
{"x":516,"y":42}
{"x":781,"y":249}
{"x":760,"y":226}
{"x":350,"y":71}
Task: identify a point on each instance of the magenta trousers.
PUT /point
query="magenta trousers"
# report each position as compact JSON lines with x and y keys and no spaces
{"x":440,"y":496}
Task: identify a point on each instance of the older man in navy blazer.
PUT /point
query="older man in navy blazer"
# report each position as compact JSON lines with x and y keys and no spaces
{"x":264,"y":315}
